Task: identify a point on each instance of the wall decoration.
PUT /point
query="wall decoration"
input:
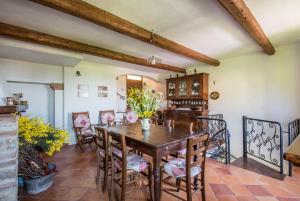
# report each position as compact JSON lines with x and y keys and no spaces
{"x":214,"y":95}
{"x":83,"y":90}
{"x":102,"y":91}
{"x":102,"y":88}
{"x":102,"y":95}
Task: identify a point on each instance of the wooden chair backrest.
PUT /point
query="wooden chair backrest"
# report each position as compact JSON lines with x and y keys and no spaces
{"x":76,"y":114}
{"x":119,"y":143}
{"x":196,"y":152}
{"x":102,"y":139}
{"x":183,"y":125}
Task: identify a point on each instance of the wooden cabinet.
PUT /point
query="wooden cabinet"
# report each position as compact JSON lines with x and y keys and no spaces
{"x":188,"y":87}
{"x":171,"y":88}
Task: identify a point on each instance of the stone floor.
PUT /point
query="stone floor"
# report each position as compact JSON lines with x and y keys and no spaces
{"x":75,"y":180}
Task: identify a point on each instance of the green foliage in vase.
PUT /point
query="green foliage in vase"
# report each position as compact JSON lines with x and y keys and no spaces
{"x":143,"y":102}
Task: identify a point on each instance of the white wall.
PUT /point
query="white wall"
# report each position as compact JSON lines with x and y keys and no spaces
{"x":92,"y":74}
{"x":39,"y":95}
{"x":122,"y":90}
{"x":256,"y":85}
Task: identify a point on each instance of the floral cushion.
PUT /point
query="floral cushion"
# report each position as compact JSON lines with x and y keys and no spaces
{"x":177,"y":168}
{"x":131,"y":117}
{"x":83,"y":121}
{"x":134,"y":162}
{"x":182,"y":152}
{"x":107,"y":117}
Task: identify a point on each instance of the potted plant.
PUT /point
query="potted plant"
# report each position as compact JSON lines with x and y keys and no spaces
{"x":144,"y":103}
{"x":36,"y":140}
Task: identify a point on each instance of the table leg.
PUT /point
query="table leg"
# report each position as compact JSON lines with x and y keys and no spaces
{"x":156,"y":174}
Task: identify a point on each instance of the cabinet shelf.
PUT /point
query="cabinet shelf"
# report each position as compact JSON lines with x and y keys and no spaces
{"x":189,"y":87}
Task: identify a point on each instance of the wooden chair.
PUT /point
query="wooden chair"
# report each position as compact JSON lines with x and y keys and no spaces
{"x":181,"y":125}
{"x":183,"y":170}
{"x":103,"y":157}
{"x":126,"y":166}
{"x":83,"y":129}
{"x":107,"y":117}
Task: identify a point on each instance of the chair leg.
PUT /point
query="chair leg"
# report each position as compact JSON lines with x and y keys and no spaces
{"x":105,"y":161}
{"x":178,"y":184}
{"x":203,"y":194}
{"x":203,"y":188}
{"x":112,"y":180}
{"x":99,"y":160}
{"x":188,"y":188}
{"x":123,"y":190}
{"x":150,"y":181}
{"x":79,"y":144}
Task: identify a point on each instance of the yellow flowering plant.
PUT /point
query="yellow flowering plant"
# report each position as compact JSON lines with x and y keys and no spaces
{"x":143,"y":102}
{"x":41,"y":135}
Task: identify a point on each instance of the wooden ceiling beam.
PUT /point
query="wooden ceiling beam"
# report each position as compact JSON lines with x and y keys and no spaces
{"x":24,"y":34}
{"x":242,"y":14}
{"x":101,"y":17}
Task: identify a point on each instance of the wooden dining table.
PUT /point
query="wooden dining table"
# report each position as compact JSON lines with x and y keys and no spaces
{"x":157,"y":142}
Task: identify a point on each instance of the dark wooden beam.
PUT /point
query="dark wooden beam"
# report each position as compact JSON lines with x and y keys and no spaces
{"x":23,"y":34}
{"x":242,"y":14}
{"x":101,"y":17}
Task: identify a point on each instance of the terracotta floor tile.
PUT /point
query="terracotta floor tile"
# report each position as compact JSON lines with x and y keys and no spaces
{"x":30,"y":199}
{"x":66,"y":193}
{"x":221,"y":189}
{"x":240,"y":190}
{"x":227,"y":198}
{"x":287,"y":199}
{"x":258,"y":190}
{"x":278,"y":191}
{"x":246,"y":198}
{"x":223,"y":171}
{"x":231,"y":180}
{"x":266,"y":198}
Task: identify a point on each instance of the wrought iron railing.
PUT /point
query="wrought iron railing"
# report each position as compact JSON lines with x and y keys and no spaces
{"x":294,"y":130}
{"x":263,"y":140}
{"x":219,"y":148}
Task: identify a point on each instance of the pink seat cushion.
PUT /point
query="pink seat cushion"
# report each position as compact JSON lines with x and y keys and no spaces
{"x":83,"y":121}
{"x":182,"y":152}
{"x":134,"y":162}
{"x":131,"y":117}
{"x":107,"y":117}
{"x":177,"y":168}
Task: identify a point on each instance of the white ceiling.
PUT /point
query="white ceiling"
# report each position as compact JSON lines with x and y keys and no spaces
{"x":202,"y":25}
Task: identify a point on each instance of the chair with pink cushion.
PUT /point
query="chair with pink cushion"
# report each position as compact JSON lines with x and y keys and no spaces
{"x":185,"y":170}
{"x":83,"y":129}
{"x":125,"y":166}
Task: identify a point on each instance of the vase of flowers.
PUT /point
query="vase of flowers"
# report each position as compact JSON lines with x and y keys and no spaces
{"x":144,"y":103}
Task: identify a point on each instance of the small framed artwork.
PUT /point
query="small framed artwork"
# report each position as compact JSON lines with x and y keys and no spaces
{"x":83,"y":90}
{"x":102,"y":91}
{"x":102,"y":88}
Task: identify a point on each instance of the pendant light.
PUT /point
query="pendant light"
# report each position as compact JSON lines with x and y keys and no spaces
{"x":153,"y":59}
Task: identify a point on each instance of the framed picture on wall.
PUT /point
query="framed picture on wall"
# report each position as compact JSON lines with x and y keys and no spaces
{"x":102,"y":91}
{"x":83,"y":90}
